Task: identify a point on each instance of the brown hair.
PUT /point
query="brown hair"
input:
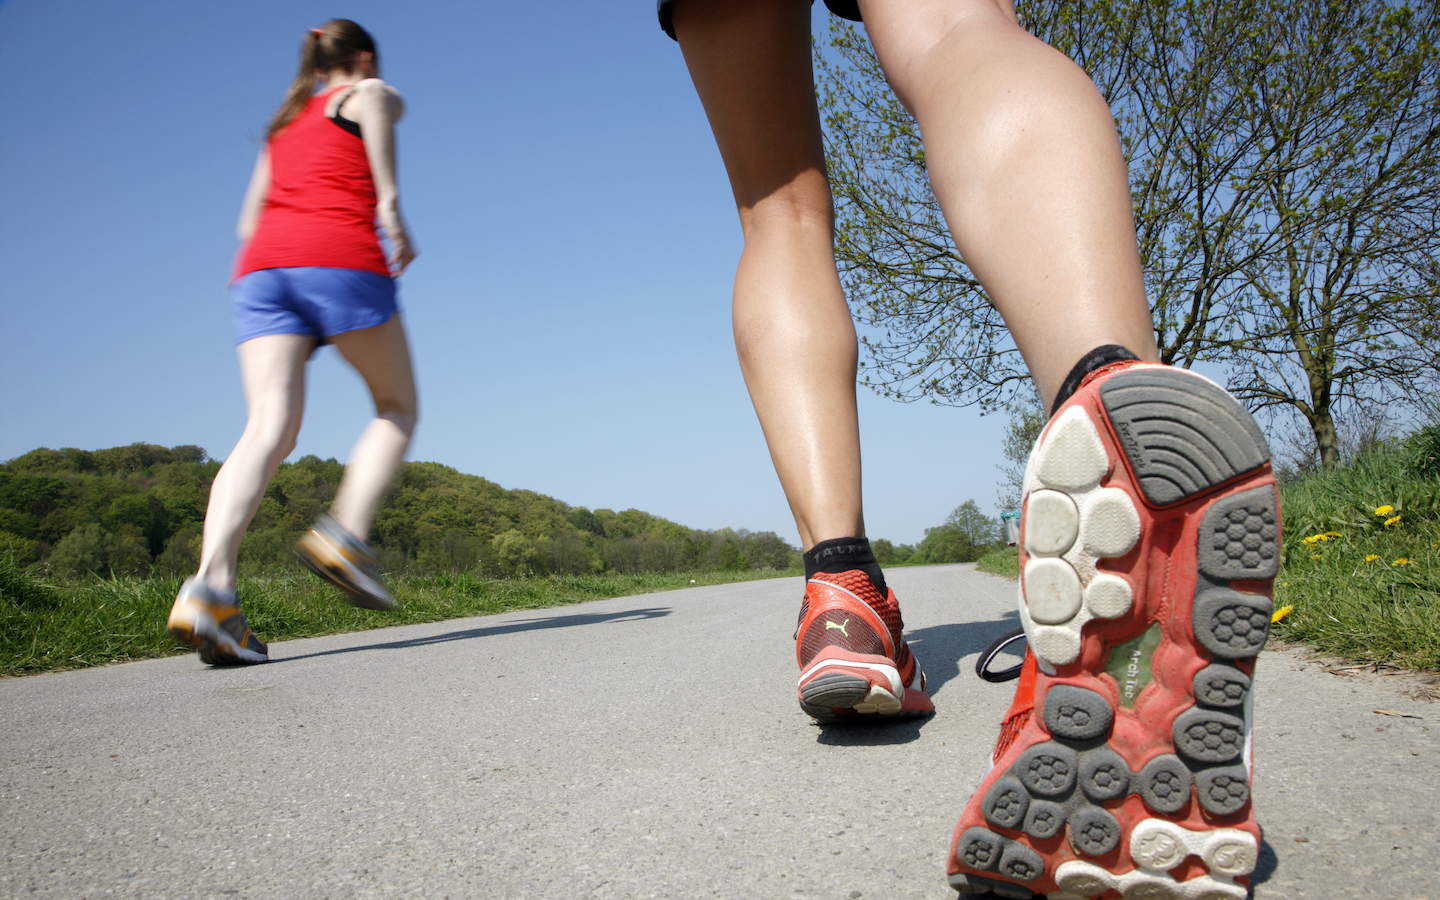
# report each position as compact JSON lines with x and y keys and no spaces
{"x":338,"y":43}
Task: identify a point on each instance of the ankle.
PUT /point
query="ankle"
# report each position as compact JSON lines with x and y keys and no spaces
{"x":1101,"y":357}
{"x":844,"y":555}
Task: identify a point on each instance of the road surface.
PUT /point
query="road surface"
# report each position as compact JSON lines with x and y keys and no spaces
{"x":629,"y":748}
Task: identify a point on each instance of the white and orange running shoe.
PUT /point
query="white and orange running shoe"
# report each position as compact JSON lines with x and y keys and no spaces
{"x":1149,"y":540}
{"x":342,"y":559}
{"x":854,"y":662}
{"x":216,"y":628}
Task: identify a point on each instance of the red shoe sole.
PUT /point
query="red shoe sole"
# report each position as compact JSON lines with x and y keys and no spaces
{"x":1149,"y":542}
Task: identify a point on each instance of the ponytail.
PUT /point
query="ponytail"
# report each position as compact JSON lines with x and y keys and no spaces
{"x":338,"y":43}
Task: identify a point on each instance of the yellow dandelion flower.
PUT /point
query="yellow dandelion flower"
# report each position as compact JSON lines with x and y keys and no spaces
{"x":1393,"y":520}
{"x":1314,"y":538}
{"x":1330,"y":534}
{"x":1281,"y":613}
{"x":1402,"y":561}
{"x":1314,"y":556}
{"x":1385,"y":510}
{"x":1372,"y":557}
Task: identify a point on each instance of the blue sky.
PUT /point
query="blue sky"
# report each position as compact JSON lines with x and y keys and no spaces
{"x":569,"y":312}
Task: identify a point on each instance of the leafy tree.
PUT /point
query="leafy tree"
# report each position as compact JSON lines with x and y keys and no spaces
{"x":979,"y":529}
{"x":1027,"y":420}
{"x":143,"y":512}
{"x":126,"y":553}
{"x":965,"y":534}
{"x":1285,"y":172}
{"x":884,"y":552}
{"x":16,"y":549}
{"x":945,"y":544}
{"x":81,"y":552}
{"x":181,"y":555}
{"x":565,"y":553}
{"x":266,"y":550}
{"x":514,"y":552}
{"x":730,"y":557}
{"x":765,"y":550}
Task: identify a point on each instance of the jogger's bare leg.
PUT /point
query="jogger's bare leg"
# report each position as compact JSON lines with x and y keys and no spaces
{"x":272,"y":369}
{"x":1024,"y":158}
{"x":382,"y":357}
{"x":750,"y":61}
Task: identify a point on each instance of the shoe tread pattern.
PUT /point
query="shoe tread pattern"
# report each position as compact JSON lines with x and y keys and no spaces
{"x":1182,"y":437}
{"x":1182,"y":434}
{"x":834,"y":690}
{"x":1070,"y":779}
{"x":1071,"y":522}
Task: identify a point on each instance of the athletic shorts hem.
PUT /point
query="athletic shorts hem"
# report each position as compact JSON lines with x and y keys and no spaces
{"x":317,"y":301}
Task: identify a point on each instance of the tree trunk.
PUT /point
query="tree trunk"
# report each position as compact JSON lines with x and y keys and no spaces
{"x":1326,"y":441}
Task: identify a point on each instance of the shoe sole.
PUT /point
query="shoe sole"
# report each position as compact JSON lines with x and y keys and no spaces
{"x":839,"y":679}
{"x":325,"y":561}
{"x":1139,"y":758}
{"x":216,"y":646}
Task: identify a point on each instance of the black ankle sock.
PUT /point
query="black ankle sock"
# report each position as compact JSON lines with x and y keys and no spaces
{"x":843,"y":554}
{"x":1103,"y":355}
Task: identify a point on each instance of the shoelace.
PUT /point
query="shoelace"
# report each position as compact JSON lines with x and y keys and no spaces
{"x":997,"y":647}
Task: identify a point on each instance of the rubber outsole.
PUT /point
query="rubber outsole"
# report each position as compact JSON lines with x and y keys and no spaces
{"x":848,"y":687}
{"x":1139,"y":757}
{"x":321,"y":557}
{"x":215,"y":646}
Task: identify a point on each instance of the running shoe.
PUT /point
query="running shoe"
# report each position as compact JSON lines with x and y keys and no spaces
{"x":216,"y":628}
{"x":1149,"y":542}
{"x":854,"y":663}
{"x":342,"y":559}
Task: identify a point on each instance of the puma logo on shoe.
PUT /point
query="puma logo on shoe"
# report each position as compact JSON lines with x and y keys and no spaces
{"x":840,"y":628}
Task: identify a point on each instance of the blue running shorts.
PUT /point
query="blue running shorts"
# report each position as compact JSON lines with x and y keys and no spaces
{"x":316,"y":300}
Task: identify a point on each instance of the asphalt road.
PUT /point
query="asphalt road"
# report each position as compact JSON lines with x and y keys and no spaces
{"x":637,"y":747}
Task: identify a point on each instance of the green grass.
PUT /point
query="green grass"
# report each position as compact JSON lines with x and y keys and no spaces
{"x":47,"y":625}
{"x":1360,"y":588}
{"x":1005,"y":561}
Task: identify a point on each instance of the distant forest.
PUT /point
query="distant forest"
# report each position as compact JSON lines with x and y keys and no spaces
{"x":138,"y":510}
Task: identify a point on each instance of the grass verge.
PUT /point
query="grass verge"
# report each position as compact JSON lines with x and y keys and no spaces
{"x":1359,"y":563}
{"x":47,"y":625}
{"x":1005,"y":562}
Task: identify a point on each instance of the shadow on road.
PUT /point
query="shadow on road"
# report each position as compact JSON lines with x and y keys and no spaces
{"x":870,"y":733}
{"x":940,"y":648}
{"x":567,"y":621}
{"x":1265,"y":866}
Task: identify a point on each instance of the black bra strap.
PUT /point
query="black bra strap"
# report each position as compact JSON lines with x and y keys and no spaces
{"x":349,"y":125}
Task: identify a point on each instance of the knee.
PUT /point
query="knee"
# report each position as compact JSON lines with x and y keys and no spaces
{"x":287,"y":445}
{"x":916,"y":45}
{"x":802,"y":204}
{"x":271,"y":437}
{"x":284,"y":439}
{"x":405,"y":423}
{"x":404,"y":414}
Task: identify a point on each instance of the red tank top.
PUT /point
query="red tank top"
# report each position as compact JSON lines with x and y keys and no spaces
{"x":320,"y":210}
